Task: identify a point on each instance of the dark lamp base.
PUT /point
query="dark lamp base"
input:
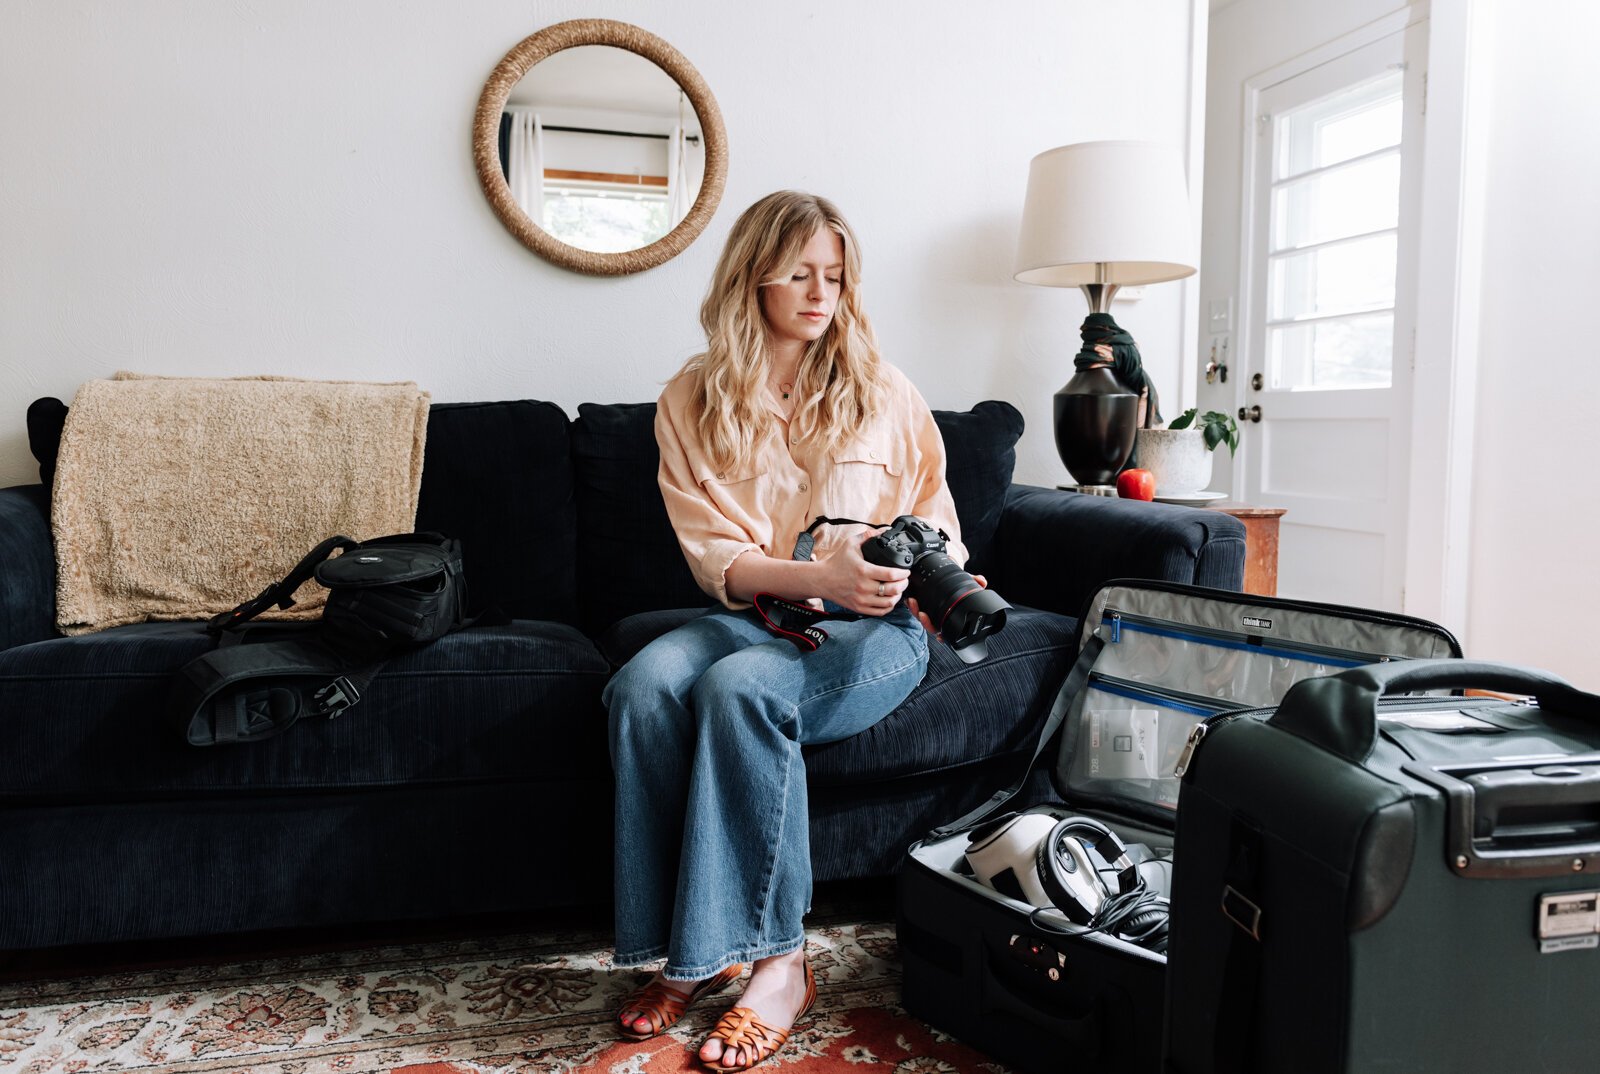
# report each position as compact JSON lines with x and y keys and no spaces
{"x":1095,"y":419}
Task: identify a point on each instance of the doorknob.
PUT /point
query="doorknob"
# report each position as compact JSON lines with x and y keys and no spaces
{"x":1252,"y":414}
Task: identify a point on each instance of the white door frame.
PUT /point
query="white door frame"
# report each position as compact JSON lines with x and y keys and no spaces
{"x":1455,"y":169}
{"x":1443,"y":405}
{"x":1194,"y":153}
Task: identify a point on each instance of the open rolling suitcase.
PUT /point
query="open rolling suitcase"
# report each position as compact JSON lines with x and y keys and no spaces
{"x":1047,"y":989}
{"x":1382,"y":883}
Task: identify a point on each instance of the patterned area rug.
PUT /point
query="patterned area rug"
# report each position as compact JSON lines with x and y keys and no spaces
{"x":516,"y":1003}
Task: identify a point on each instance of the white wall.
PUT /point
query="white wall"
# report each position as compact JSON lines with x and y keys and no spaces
{"x":234,"y":187}
{"x":1534,"y":590}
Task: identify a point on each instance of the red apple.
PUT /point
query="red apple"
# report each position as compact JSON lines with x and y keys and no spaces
{"x":1136,"y":485}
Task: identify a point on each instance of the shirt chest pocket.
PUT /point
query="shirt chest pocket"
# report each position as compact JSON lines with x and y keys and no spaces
{"x":888,"y":455}
{"x":867,"y":477}
{"x":737,"y":490}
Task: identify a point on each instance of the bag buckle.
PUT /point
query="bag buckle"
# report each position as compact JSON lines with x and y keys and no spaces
{"x":335,"y":697}
{"x":1242,"y":912}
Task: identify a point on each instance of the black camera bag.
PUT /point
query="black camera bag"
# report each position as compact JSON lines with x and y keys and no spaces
{"x":384,"y":596}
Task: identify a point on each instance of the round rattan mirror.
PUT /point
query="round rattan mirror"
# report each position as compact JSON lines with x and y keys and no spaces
{"x":703,"y":132}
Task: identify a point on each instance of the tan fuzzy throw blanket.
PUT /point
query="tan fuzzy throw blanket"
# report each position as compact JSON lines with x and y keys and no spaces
{"x":178,"y":498}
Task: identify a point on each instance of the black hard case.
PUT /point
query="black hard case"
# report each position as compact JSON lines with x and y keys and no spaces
{"x":975,"y":965}
{"x":1404,"y":884}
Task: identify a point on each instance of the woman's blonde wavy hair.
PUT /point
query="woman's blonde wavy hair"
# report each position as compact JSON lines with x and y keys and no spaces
{"x":840,"y":381}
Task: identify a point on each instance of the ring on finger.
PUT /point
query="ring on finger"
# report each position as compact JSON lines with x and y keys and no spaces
{"x":880,"y":589}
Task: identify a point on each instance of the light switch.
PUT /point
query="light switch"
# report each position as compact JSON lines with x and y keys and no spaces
{"x":1220,"y":316}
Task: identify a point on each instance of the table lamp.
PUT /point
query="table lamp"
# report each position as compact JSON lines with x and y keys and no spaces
{"x":1100,"y":216}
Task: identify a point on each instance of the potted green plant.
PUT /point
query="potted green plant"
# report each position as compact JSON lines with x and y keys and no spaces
{"x":1217,"y":427}
{"x":1180,"y":454}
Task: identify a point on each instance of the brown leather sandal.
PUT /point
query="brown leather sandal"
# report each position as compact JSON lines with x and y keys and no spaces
{"x":740,"y":1028}
{"x":663,"y":1005}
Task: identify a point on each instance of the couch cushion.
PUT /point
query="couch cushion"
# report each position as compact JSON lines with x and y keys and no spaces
{"x":88,"y":718}
{"x":620,"y":641}
{"x":628,"y":557}
{"x":46,"y":419}
{"x":980,"y":448}
{"x":960,"y":714}
{"x":499,"y":477}
{"x":496,"y":475}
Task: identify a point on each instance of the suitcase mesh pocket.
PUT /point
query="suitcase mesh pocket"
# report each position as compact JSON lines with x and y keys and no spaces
{"x":1129,"y":739}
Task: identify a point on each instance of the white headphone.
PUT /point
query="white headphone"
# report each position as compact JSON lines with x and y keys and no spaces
{"x":1044,"y":862}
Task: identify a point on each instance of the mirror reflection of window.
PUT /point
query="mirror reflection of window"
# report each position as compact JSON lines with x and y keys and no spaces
{"x":601,"y":148}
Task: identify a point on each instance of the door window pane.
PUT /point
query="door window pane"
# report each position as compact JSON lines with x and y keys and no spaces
{"x":1346,"y":352}
{"x":1332,"y":238}
{"x":1353,"y":200}
{"x":1343,"y":278}
{"x":1341,"y":126}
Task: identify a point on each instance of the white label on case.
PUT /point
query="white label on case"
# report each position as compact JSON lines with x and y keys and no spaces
{"x":1569,"y":943}
{"x":1571,"y":913}
{"x":1447,"y":721}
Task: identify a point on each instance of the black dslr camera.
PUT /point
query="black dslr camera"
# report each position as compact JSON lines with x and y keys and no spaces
{"x":963,"y":611}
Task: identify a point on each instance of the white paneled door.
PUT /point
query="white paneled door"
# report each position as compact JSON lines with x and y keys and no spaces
{"x":1330,"y":283}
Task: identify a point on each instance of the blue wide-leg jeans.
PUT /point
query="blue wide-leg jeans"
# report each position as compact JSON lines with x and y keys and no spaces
{"x":713,"y":854}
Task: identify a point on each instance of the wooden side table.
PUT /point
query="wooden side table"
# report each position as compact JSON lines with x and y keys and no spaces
{"x":1260,"y":544}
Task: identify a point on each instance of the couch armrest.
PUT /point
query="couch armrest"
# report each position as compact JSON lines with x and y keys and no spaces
{"x":1054,"y":550}
{"x":27,"y":567}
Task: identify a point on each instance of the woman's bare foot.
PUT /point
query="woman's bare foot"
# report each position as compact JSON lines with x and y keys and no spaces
{"x":776,"y":992}
{"x":657,"y":1006}
{"x":633,"y":1018}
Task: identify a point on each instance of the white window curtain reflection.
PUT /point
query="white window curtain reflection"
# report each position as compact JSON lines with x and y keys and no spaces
{"x":678,"y":200}
{"x":686,"y":169}
{"x":525,"y":168}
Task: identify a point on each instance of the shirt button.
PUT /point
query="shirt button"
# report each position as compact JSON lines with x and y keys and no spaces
{"x":872,"y":454}
{"x":794,"y":440}
{"x":803,"y":486}
{"x":722,"y":477}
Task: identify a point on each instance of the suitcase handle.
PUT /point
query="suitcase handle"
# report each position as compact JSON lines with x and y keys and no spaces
{"x":1340,"y":712}
{"x":1509,"y":819}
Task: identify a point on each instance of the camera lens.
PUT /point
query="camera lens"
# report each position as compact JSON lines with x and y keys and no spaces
{"x":963,"y":611}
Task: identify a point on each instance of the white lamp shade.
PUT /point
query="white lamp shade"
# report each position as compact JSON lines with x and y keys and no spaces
{"x":1120,"y":205}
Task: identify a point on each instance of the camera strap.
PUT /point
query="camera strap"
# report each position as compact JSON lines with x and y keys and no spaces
{"x":804,"y":543}
{"x":797,"y":622}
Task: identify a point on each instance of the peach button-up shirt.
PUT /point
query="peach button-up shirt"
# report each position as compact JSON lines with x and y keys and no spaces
{"x":894,"y":466}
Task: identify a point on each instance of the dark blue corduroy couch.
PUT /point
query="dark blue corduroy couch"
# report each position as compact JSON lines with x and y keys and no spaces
{"x":474,"y":775}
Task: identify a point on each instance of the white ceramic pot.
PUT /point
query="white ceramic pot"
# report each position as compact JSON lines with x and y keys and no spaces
{"x":1178,"y":458}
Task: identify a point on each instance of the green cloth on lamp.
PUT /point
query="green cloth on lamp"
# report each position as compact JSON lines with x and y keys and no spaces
{"x":1125,"y":366}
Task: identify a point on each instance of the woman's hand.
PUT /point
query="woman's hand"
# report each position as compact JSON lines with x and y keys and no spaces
{"x":922,"y":616}
{"x":851,"y":582}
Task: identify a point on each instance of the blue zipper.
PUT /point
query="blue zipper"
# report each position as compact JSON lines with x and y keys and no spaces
{"x":1342,"y":658}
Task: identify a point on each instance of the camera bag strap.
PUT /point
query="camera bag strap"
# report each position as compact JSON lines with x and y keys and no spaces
{"x":263,"y":677}
{"x":247,"y":692}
